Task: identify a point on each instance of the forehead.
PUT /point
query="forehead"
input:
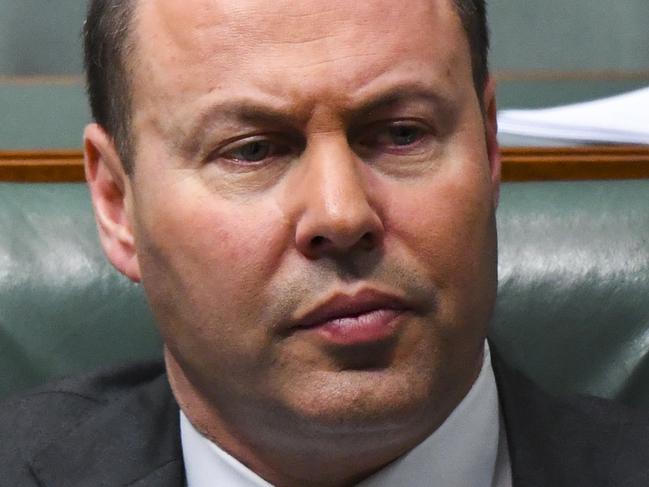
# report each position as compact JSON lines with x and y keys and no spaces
{"x":285,"y":22}
{"x":187,"y":48}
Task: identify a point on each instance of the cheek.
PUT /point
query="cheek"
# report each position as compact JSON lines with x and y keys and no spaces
{"x":205,"y":264}
{"x":215,"y":236}
{"x":447,"y":227}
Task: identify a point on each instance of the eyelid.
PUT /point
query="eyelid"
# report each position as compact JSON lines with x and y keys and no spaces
{"x":239,"y":143}
{"x":392,"y":122}
{"x":400,"y":122}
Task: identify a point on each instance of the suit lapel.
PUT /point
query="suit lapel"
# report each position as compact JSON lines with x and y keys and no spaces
{"x":551,"y":442}
{"x":132,"y":441}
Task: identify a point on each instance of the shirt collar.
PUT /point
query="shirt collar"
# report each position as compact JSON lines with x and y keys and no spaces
{"x":462,"y":451}
{"x":206,"y":464}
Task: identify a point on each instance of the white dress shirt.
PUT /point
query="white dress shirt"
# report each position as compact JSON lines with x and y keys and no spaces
{"x":468,"y":450}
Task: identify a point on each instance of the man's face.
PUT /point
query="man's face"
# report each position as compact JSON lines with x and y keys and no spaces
{"x":313,"y":206}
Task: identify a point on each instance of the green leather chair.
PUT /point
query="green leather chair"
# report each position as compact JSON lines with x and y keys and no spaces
{"x":573,"y":307}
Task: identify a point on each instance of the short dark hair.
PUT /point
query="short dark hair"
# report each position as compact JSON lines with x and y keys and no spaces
{"x":473,"y":14}
{"x":108,"y":43}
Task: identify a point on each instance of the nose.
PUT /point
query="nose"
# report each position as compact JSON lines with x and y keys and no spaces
{"x":337,"y":212}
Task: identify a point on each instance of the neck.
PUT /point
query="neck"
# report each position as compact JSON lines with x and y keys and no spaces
{"x":291,"y":452}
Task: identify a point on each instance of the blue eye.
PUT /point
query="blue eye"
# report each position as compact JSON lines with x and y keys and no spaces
{"x":253,"y":151}
{"x":391,"y":136}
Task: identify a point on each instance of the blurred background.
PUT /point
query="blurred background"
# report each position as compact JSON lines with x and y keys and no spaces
{"x":544,"y":53}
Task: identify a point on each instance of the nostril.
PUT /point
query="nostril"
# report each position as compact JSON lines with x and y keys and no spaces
{"x":317,"y":241}
{"x":368,"y":240}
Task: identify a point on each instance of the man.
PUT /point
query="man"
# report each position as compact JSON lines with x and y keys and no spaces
{"x":307,"y":192}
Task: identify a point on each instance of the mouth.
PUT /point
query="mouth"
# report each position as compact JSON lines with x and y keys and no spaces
{"x":365,"y":317}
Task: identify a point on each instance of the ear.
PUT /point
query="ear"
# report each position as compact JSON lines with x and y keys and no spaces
{"x":110,"y":189}
{"x":491,"y":134}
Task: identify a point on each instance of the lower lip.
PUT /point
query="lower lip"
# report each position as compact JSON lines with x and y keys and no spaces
{"x":366,"y":328}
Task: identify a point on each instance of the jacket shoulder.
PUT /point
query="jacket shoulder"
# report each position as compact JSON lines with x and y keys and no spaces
{"x":31,"y":421}
{"x":571,"y":441}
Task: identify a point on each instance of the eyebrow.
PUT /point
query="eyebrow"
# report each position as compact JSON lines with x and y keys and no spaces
{"x":245,"y":111}
{"x":402,"y":94}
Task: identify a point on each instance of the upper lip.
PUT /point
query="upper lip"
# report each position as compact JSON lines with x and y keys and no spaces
{"x":341,"y":305}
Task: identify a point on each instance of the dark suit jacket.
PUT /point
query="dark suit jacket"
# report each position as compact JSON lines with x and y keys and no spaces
{"x":122,"y":429}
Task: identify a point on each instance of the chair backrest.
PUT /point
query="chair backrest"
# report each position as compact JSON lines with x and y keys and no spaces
{"x":63,"y":308}
{"x":573,"y":305}
{"x":572,"y":312}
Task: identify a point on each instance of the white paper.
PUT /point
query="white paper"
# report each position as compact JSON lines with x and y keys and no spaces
{"x":617,"y":119}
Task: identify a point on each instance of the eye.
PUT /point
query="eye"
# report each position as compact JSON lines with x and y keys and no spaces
{"x":252,"y":152}
{"x":395,"y":136}
{"x":401,"y":135}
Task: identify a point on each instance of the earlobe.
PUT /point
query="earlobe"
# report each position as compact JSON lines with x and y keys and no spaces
{"x":110,"y":190}
{"x":491,"y":132}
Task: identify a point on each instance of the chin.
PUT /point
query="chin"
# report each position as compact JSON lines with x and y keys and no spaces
{"x":372,"y":400}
